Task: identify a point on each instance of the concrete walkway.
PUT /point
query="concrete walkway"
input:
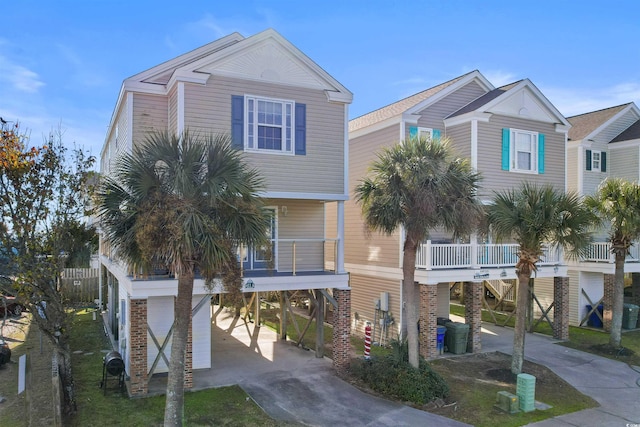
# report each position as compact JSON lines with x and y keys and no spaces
{"x":612,"y":384}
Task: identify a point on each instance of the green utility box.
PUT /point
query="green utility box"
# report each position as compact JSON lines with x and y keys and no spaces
{"x":456,"y":337}
{"x":629,"y":316}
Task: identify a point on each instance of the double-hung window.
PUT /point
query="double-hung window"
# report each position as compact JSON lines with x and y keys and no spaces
{"x":522,"y":151}
{"x":595,"y":160}
{"x":269,"y":125}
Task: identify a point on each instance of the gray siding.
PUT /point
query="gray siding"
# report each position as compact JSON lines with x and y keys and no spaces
{"x":364,"y":291}
{"x":321,"y":170}
{"x":433,"y":115}
{"x":490,"y":155}
{"x":592,"y":179}
{"x":149,"y":114}
{"x":362,"y":246}
{"x":624,"y":163}
{"x":460,"y":136}
{"x":173,"y":110}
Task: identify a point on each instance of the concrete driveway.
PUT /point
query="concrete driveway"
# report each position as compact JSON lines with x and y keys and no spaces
{"x":292,"y":385}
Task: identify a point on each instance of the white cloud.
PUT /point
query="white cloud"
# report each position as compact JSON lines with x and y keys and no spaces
{"x":499,"y":77}
{"x":572,"y":101}
{"x":19,"y":77}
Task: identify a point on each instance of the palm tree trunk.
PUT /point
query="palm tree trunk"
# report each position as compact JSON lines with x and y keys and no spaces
{"x":411,"y":301}
{"x":517,"y":357}
{"x":617,"y":303}
{"x":174,"y":406}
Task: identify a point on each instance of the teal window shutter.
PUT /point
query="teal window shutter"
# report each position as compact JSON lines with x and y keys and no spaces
{"x":588,"y":160}
{"x":237,"y":121}
{"x":413,"y":132}
{"x":436,"y":134}
{"x":540,"y":153}
{"x":603,"y":162}
{"x":506,"y":133}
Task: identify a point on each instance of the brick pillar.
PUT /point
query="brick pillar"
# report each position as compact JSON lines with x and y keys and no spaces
{"x":473,"y":314}
{"x":607,"y":301}
{"x":428,"y":321}
{"x":342,"y":330}
{"x":188,"y":361}
{"x":635,"y":288}
{"x":138,"y":347}
{"x":561,"y":308}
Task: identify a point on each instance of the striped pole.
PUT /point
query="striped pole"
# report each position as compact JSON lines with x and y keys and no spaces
{"x":367,"y":341}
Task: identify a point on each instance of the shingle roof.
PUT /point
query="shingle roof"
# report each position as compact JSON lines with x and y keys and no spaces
{"x":632,"y":132}
{"x":478,"y":102}
{"x":399,"y":107}
{"x":583,"y":124}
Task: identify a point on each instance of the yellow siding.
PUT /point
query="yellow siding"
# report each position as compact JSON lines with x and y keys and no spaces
{"x":364,"y":291}
{"x":149,"y":114}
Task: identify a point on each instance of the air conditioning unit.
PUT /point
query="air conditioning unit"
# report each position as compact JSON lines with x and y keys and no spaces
{"x":507,"y":402}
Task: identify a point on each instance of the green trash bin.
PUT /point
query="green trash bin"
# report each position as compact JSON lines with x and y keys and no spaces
{"x":629,"y":316}
{"x":456,"y":337}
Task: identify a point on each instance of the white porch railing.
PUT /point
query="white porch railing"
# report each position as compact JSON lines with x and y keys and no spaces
{"x":432,"y":256}
{"x":601,"y":252}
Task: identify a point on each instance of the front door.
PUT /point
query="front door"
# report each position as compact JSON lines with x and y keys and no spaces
{"x":259,"y":258}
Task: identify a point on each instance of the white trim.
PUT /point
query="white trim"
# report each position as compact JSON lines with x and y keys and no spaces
{"x":129,"y":113}
{"x":467,"y":117}
{"x":513,"y":158}
{"x":283,"y":128}
{"x":403,"y":131}
{"x":346,"y":150}
{"x":376,"y":127}
{"x":474,"y":75}
{"x":581,"y":167}
{"x":339,"y":265}
{"x":307,"y":196}
{"x":623,"y":144}
{"x":180,"y":108}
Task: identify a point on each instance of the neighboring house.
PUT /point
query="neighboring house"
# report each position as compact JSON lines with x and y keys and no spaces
{"x":290,"y":118}
{"x":510,"y":134}
{"x":603,"y":143}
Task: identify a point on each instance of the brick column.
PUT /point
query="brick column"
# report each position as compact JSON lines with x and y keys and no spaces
{"x":342,"y":330}
{"x":138,"y":347}
{"x":635,"y":288}
{"x":473,"y":314}
{"x":428,"y":321}
{"x":607,"y":301}
{"x":188,"y":361}
{"x":561,"y":308}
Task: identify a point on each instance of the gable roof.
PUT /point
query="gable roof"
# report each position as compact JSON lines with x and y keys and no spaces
{"x":632,"y":132}
{"x":407,"y":103}
{"x":533,"y":103}
{"x":583,"y":125}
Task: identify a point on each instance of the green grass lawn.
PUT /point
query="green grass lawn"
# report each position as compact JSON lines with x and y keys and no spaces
{"x":228,"y":406}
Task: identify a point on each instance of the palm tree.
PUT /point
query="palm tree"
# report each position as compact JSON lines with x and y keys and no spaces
{"x":617,"y":203}
{"x":186,"y":201}
{"x":534,"y":216}
{"x":419,"y":185}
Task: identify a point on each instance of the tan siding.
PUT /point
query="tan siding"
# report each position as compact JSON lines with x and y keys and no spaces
{"x":624,"y":163}
{"x":572,"y":169}
{"x":321,"y":170}
{"x":149,"y":114}
{"x":543,"y":289}
{"x":122,"y":141}
{"x":490,"y":155}
{"x":361,"y":246}
{"x":364,"y":291}
{"x":331,"y":230}
{"x":303,"y":220}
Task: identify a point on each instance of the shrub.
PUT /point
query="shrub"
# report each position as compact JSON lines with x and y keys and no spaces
{"x":393,"y":376}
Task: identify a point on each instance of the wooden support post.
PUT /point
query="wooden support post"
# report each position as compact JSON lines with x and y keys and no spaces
{"x":283,"y":315}
{"x":257,"y":317}
{"x":319,"y":325}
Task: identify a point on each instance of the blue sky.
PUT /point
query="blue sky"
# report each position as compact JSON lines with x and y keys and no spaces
{"x":62,"y":62}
